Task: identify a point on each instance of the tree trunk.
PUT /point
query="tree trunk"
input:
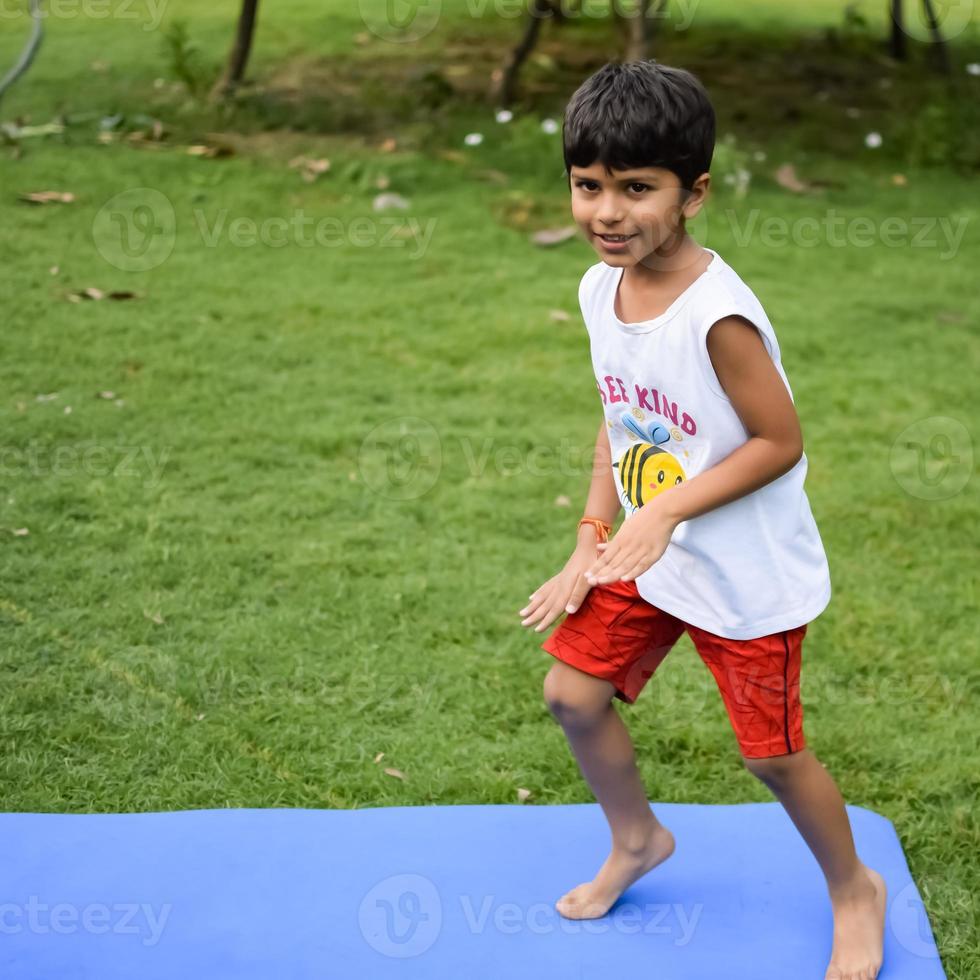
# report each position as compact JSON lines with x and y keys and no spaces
{"x":30,"y":49}
{"x":942,"y":49}
{"x":504,"y":80}
{"x":898,"y":45}
{"x":635,"y":26}
{"x":238,"y":59}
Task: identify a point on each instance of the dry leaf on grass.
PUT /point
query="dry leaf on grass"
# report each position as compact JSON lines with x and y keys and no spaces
{"x":560,"y":315}
{"x":211,"y":151}
{"x":390,"y":199}
{"x":397,"y":773}
{"x":48,"y":197}
{"x":554,"y":236}
{"x":786,"y":177}
{"x":563,"y":501}
{"x":94,"y":293}
{"x":309,"y":167}
{"x":522,"y":795}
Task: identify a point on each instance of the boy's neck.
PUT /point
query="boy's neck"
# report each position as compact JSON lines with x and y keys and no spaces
{"x":678,"y":254}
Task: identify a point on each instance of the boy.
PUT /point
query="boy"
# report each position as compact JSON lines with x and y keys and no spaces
{"x":701,"y":445}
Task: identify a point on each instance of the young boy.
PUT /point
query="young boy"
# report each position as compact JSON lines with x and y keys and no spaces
{"x":701,"y":445}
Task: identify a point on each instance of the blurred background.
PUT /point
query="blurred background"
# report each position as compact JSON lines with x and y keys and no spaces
{"x":297,"y":407}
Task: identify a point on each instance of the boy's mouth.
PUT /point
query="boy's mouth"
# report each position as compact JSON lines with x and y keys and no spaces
{"x":615,"y":238}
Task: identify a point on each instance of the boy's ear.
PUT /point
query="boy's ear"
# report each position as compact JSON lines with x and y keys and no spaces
{"x":697,"y":195}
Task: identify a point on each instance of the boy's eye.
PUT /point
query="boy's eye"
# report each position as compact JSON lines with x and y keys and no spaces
{"x":589,"y":185}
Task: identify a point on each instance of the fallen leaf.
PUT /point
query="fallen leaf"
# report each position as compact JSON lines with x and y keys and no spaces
{"x":309,"y":167}
{"x":20,"y":532}
{"x":388,"y":145}
{"x":786,"y":177}
{"x":379,"y":757}
{"x":554,"y":236}
{"x":48,"y":197}
{"x":560,"y":315}
{"x":563,"y":501}
{"x":211,"y":151}
{"x":54,"y":270}
{"x":108,"y":395}
{"x":154,"y":617}
{"x":899,"y":180}
{"x":397,"y":773}
{"x":522,"y":795}
{"x":94,"y":293}
{"x":390,"y":200}
{"x":199,"y":717}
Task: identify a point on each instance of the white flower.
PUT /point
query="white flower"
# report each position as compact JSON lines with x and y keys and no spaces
{"x":473,"y":139}
{"x":549,"y":125}
{"x":973,"y":68}
{"x":872,"y":140}
{"x":504,"y":115}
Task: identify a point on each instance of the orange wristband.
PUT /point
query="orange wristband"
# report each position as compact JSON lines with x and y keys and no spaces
{"x":602,"y":528}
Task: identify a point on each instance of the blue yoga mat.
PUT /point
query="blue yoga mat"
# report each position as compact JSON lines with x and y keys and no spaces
{"x":428,"y":892}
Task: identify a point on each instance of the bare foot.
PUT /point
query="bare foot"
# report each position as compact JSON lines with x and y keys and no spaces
{"x":859,"y":925}
{"x":593,"y":899}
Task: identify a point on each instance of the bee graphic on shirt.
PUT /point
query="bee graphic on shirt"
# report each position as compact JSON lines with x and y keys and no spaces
{"x":646,"y":469}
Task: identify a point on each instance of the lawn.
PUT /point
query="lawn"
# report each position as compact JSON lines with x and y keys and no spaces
{"x":275,"y":514}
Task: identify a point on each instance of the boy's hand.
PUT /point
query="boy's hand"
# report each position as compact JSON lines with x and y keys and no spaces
{"x":566,"y":590}
{"x":637,"y":544}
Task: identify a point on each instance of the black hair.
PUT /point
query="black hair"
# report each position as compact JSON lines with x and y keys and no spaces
{"x":640,"y":114}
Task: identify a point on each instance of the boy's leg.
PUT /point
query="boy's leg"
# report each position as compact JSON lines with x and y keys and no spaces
{"x":857,"y":893}
{"x":759,"y":681}
{"x":610,"y":647}
{"x":582,"y":704}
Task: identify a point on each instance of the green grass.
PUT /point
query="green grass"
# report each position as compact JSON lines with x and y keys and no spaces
{"x":240,"y":616}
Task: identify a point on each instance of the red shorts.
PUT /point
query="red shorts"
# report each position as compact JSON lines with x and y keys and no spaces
{"x":620,"y":637}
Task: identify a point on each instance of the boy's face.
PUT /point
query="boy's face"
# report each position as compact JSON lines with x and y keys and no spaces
{"x":648,"y":205}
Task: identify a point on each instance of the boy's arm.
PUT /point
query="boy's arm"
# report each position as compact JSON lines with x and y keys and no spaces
{"x":761,"y":400}
{"x":603,"y":501}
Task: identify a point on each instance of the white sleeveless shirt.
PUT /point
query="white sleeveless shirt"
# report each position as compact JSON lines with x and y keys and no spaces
{"x":750,"y":567}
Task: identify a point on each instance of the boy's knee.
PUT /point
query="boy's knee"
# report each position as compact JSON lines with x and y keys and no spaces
{"x":772,"y":769}
{"x":573,"y":700}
